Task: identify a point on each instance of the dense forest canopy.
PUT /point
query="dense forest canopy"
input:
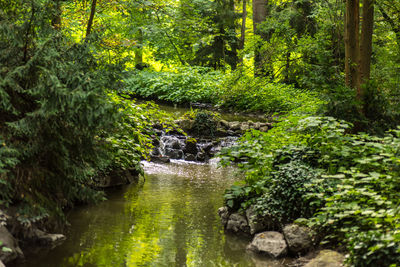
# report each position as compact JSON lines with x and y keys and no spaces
{"x":69,"y":70}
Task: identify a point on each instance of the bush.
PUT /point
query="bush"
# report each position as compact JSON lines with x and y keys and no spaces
{"x":245,"y":92}
{"x":182,"y":85}
{"x":346,"y":184}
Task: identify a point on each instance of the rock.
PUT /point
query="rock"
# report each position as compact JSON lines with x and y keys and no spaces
{"x":224,"y":124}
{"x":159,"y":159}
{"x":201,"y":156}
{"x":298,"y":238}
{"x":271,"y":243}
{"x":237,"y":223}
{"x":2,"y":264}
{"x":190,"y":146}
{"x":256,"y":126}
{"x":224,"y":215}
{"x":186,"y":125}
{"x":116,"y":178}
{"x":258,"y":223}
{"x":190,"y":157}
{"x":234,"y":125}
{"x":46,"y":239}
{"x":171,"y":142}
{"x":174,"y":153}
{"x":7,"y":241}
{"x":327,"y":258}
{"x":244,"y":126}
{"x":264,"y":128}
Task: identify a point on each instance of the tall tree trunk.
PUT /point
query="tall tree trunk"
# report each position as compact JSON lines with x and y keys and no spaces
{"x":351,"y":39}
{"x":90,"y":21}
{"x":139,"y":48}
{"x":243,"y":28}
{"x":366,"y":43}
{"x":259,"y":15}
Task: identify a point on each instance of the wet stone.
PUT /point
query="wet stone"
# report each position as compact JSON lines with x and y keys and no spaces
{"x":270,"y":243}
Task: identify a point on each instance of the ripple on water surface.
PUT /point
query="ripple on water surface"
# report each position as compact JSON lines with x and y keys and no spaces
{"x":170,"y":219}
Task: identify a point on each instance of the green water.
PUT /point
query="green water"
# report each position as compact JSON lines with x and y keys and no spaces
{"x":168,"y":220}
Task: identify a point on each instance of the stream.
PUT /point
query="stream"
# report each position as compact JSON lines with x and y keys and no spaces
{"x":170,"y":219}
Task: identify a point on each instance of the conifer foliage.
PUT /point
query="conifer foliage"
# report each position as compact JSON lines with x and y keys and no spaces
{"x":53,"y":107}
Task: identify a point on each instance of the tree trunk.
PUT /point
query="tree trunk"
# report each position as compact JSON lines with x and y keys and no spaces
{"x":139,"y":48}
{"x":351,"y":43}
{"x":366,"y":43}
{"x":259,"y":15}
{"x":90,"y":21}
{"x":243,"y":28}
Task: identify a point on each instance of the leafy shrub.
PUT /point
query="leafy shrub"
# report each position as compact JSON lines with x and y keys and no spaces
{"x":353,"y":197}
{"x":245,"y":92}
{"x":182,"y":85}
{"x":286,"y":194}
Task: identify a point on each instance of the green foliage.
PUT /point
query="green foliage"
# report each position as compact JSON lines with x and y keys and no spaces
{"x":131,"y":139}
{"x":286,"y":193}
{"x":189,"y":84}
{"x":244,"y":92}
{"x":345,"y":184}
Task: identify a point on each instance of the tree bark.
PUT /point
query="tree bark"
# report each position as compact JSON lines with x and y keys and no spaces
{"x":259,"y":15}
{"x":243,"y":28}
{"x":90,"y":21}
{"x":351,"y":40}
{"x":366,"y":43}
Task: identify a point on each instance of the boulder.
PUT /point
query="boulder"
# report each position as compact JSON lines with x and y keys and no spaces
{"x":171,"y":142}
{"x":11,"y":249}
{"x":190,"y":157}
{"x":270,"y":243}
{"x":298,"y":238}
{"x":258,"y":223}
{"x":159,"y":159}
{"x":234,"y":125}
{"x":327,"y":258}
{"x":237,"y":223}
{"x":185,"y":124}
{"x":201,"y":156}
{"x":190,"y":146}
{"x":244,"y":126}
{"x":224,"y":215}
{"x":224,"y":124}
{"x":116,"y":178}
{"x":45,"y":239}
{"x":173,"y":153}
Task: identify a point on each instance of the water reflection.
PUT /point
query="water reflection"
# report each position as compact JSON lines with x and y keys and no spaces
{"x":168,"y":220}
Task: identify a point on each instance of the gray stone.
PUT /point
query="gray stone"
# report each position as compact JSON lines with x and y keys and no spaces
{"x":186,"y":125}
{"x":190,"y":157}
{"x":327,"y":258}
{"x":159,"y":159}
{"x":224,"y":124}
{"x":244,"y":126}
{"x":258,"y":223}
{"x":224,"y":215}
{"x":9,"y":242}
{"x":201,"y":156}
{"x":237,"y":223}
{"x":256,"y":126}
{"x":46,"y":239}
{"x":174,"y":153}
{"x":234,"y":125}
{"x":298,"y":238}
{"x":171,"y":142}
{"x":116,"y":178}
{"x":264,"y":128}
{"x":270,"y":243}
